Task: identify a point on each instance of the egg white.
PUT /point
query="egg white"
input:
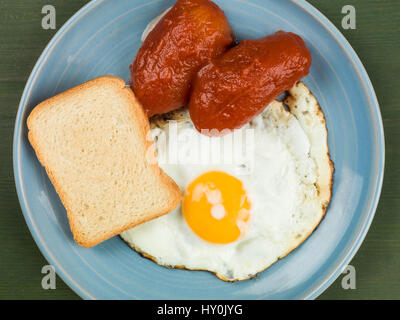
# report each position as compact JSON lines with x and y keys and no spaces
{"x":290,"y":168}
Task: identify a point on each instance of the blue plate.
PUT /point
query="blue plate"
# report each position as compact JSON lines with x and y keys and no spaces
{"x":102,"y":38}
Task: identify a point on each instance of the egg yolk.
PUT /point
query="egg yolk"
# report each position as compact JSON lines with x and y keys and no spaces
{"x":216,"y":207}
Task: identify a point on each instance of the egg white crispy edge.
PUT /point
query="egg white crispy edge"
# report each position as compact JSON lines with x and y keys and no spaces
{"x":324,"y":174}
{"x":325,"y":166}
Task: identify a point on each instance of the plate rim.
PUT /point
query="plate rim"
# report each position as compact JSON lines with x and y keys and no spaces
{"x":341,"y":41}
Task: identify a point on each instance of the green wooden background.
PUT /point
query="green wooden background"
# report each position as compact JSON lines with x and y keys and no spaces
{"x":377,"y":42}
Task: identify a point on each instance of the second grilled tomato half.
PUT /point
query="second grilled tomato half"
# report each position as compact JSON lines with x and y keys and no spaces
{"x":234,"y":88}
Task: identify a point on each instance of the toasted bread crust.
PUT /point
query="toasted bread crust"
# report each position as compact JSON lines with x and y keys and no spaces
{"x":138,"y":113}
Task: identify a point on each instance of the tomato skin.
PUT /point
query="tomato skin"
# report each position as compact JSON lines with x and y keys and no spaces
{"x":186,"y":38}
{"x":234,"y":88}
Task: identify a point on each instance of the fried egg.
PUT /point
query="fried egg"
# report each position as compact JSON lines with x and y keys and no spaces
{"x":240,"y":214}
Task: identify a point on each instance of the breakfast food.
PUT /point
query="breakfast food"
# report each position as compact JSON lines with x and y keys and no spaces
{"x":236,"y":223}
{"x":239,"y":214}
{"x":234,"y":88}
{"x":92,"y":141}
{"x":185,"y":39}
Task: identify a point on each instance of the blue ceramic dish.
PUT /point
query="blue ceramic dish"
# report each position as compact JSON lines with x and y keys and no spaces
{"x":102,"y":38}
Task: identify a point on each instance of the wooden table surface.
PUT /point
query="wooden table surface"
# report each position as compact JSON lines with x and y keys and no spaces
{"x":376,"y":39}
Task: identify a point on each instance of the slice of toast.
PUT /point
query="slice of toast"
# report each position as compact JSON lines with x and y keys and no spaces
{"x":93,"y":141}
